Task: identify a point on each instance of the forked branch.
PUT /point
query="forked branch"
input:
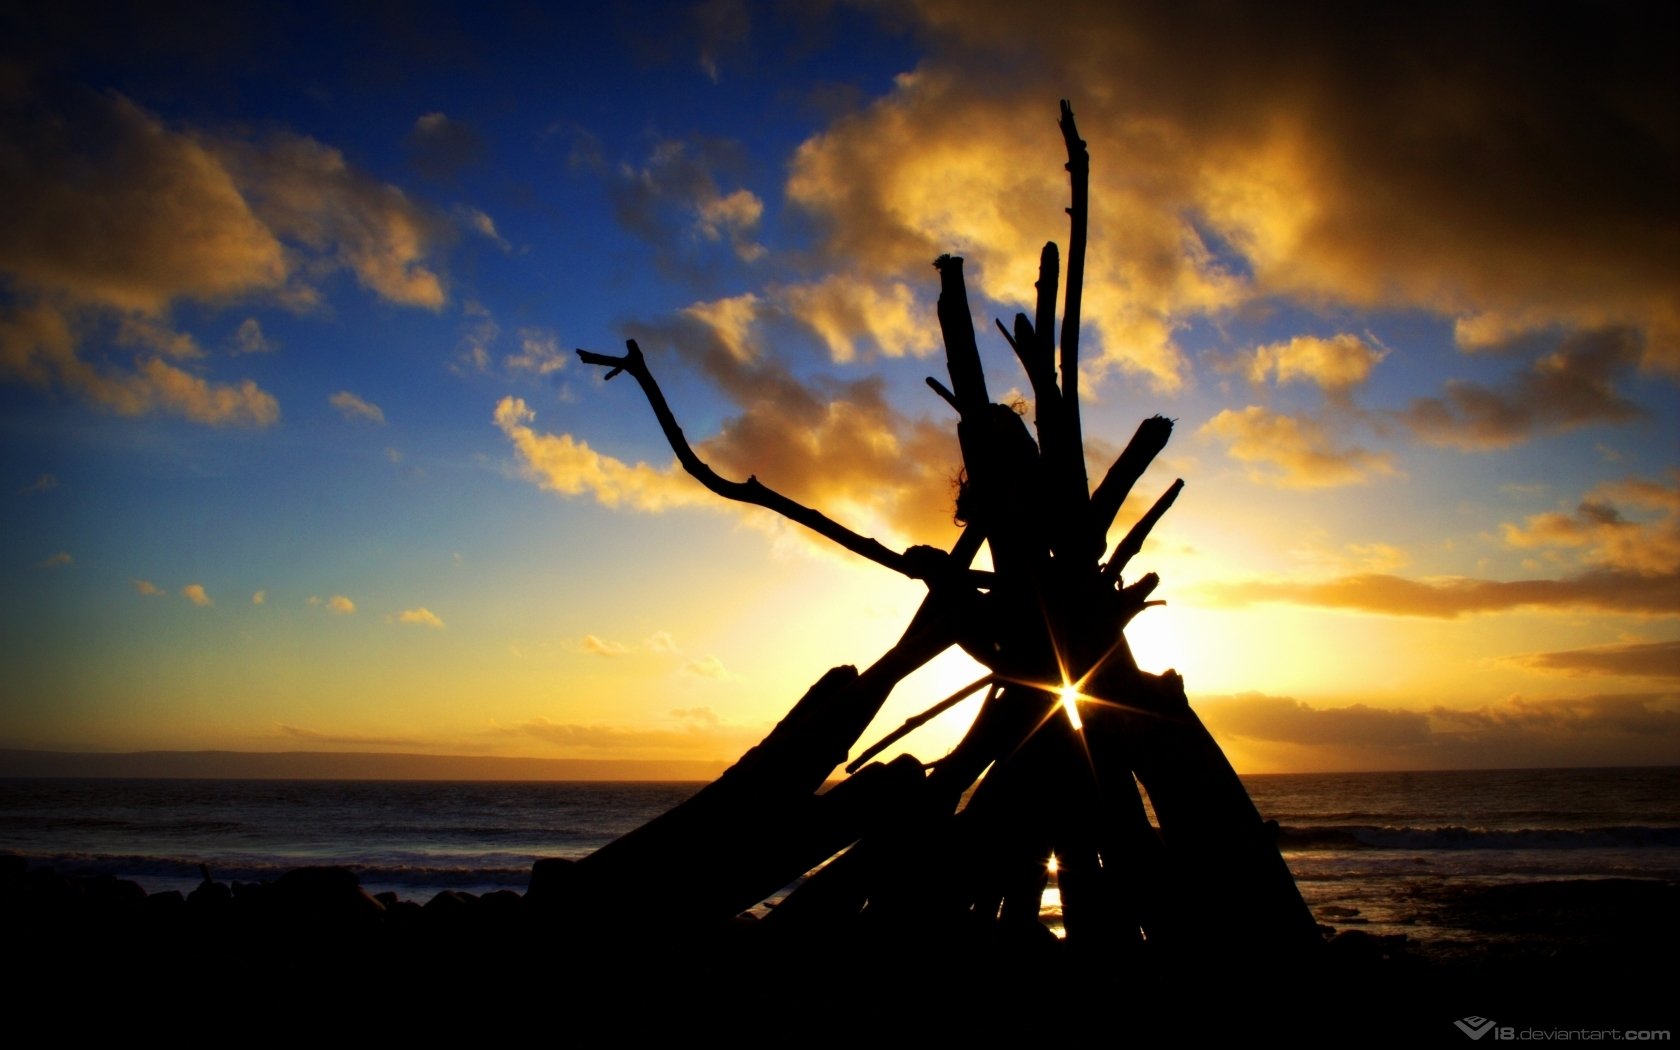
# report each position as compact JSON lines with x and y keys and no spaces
{"x":918,"y":563}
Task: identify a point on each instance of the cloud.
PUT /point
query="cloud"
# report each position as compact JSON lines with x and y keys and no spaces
{"x":1280,"y":718}
{"x":421,"y":616}
{"x":539,"y":352}
{"x":1454,"y":596}
{"x":146,"y":587}
{"x":53,"y":561}
{"x":1628,"y":728}
{"x":589,"y":643}
{"x":722,"y":28}
{"x":1629,"y":659}
{"x":195,"y":593}
{"x":836,"y":446}
{"x":44,"y":483}
{"x":110,"y":218}
{"x":703,"y":716}
{"x":843,"y":311}
{"x":674,"y":199}
{"x":441,"y":148}
{"x":39,"y":346}
{"x":354,"y":408}
{"x":694,"y":739}
{"x":248,"y":338}
{"x":1337,"y":363}
{"x":1482,"y":164}
{"x":259,"y":597}
{"x":341,"y":605}
{"x":353,"y":739}
{"x":565,"y":465}
{"x":1298,"y":448}
{"x":1571,"y":387}
{"x":661,"y":642}
{"x":1605,"y":536}
{"x":733,"y":217}
{"x":708,"y":666}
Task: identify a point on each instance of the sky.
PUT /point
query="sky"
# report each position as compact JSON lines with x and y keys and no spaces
{"x":297,"y":454}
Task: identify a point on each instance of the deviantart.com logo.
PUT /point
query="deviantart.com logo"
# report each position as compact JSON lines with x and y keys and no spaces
{"x":1476,"y":1027}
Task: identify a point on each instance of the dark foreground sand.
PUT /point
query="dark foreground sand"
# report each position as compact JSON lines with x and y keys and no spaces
{"x":313,"y":952}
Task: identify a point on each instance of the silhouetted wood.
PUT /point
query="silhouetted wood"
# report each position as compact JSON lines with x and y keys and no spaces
{"x":894,"y":850}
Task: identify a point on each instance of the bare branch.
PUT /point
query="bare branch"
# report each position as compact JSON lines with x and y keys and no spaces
{"x":1139,"y":532}
{"x":1147,"y":443}
{"x":962,"y":355}
{"x":915,"y":721}
{"x":1079,"y":171}
{"x":751,"y":490}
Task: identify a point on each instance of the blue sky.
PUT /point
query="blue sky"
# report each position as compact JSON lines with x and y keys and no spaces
{"x":298,"y":455}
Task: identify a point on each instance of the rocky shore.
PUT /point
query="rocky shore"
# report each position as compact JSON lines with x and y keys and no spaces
{"x":1556,"y":954}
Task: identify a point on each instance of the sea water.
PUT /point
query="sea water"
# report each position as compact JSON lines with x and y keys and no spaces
{"x":1367,"y":849}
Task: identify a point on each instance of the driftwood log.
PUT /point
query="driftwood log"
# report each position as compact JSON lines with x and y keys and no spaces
{"x":1050,"y":769}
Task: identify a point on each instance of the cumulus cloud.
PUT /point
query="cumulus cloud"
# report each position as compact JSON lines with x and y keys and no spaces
{"x":674,"y":198}
{"x":259,"y":597}
{"x":109,"y":218}
{"x":1605,"y":536}
{"x":422,"y":616}
{"x":195,"y":593}
{"x":53,"y":561}
{"x":341,"y":605}
{"x":1337,"y":363}
{"x":1571,"y":387}
{"x":1629,"y":659}
{"x":1292,"y":451}
{"x":569,"y":466}
{"x":1480,"y":164}
{"x":146,"y":587}
{"x":844,"y":311}
{"x":539,"y":353}
{"x":354,"y":408}
{"x":837,"y":446}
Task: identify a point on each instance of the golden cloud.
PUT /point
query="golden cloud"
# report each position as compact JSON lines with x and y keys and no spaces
{"x":1451,"y":597}
{"x":195,"y":593}
{"x":1298,"y":450}
{"x":422,"y":617}
{"x":1511,"y":180}
{"x":1605,"y":536}
{"x":109,"y":218}
{"x":341,"y":605}
{"x":1626,"y":728}
{"x":146,"y":587}
{"x":568,"y":466}
{"x":1337,"y":363}
{"x":844,"y":310}
{"x":1629,"y":659}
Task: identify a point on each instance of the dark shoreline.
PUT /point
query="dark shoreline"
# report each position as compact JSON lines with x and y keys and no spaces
{"x":1563,"y":954}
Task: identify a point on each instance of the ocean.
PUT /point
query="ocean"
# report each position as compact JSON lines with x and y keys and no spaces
{"x":1384,"y":852}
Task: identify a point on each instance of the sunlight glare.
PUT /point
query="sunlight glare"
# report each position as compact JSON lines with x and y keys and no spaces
{"x":1070,"y":703}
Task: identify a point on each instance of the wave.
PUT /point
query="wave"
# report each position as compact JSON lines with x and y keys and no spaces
{"x":1456,"y":837}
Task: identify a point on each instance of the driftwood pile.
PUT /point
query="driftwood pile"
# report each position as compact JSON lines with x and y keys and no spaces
{"x":1052,"y":766}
